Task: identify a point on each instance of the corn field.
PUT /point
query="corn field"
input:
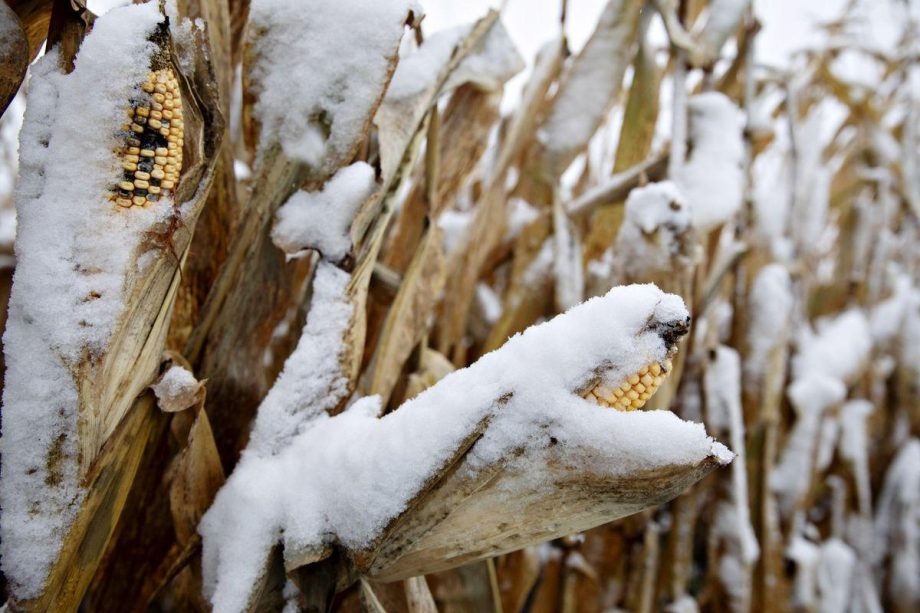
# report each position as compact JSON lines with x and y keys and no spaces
{"x":316,"y":306}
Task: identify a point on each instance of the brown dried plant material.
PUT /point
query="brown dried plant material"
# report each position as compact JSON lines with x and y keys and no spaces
{"x":529,"y":293}
{"x":140,"y":335}
{"x":465,"y":125}
{"x":518,"y":573}
{"x":487,"y":227}
{"x":408,"y":319}
{"x":35,"y":17}
{"x":14,"y":55}
{"x":432,"y":367}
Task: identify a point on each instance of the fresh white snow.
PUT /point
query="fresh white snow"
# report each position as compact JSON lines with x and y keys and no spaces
{"x":298,"y":491}
{"x":73,"y":249}
{"x":312,"y":381}
{"x":711,"y":179}
{"x":319,"y":69}
{"x":322,"y":219}
{"x":770,"y":307}
{"x":651,"y":237}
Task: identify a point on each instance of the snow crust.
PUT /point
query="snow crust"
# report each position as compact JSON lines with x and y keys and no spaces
{"x":73,"y":249}
{"x":297,"y":493}
{"x":321,"y":220}
{"x":712,"y":179}
{"x":319,"y":68}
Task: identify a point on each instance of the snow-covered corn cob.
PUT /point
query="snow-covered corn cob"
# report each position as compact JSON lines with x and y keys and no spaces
{"x":635,"y":391}
{"x":151,"y":158}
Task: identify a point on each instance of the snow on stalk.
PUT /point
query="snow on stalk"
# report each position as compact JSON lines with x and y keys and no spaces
{"x":711,"y":178}
{"x":96,"y":276}
{"x":318,"y":71}
{"x":897,"y":527}
{"x":722,"y":385}
{"x":502,"y":454}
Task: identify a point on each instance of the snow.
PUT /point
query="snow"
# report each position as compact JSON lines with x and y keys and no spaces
{"x":897,"y":523}
{"x":567,"y":260}
{"x":177,"y":389}
{"x":489,"y":64}
{"x":520,"y":214}
{"x":834,"y":575}
{"x":722,"y":384}
{"x":73,"y":250}
{"x":684,"y":604}
{"x":712,"y":179}
{"x":298,"y":492}
{"x":319,"y":68}
{"x":454,"y":225}
{"x":773,"y":204}
{"x":806,"y":556}
{"x":813,"y":173}
{"x":7,"y":229}
{"x":493,"y":61}
{"x":312,"y":381}
{"x":651,"y":236}
{"x":722,"y":19}
{"x":811,"y":396}
{"x":418,"y":70}
{"x":840,"y":348}
{"x":887,"y":317}
{"x":770,"y":314}
{"x":540,"y":266}
{"x":854,"y":446}
{"x":321,"y":220}
{"x":490,"y":303}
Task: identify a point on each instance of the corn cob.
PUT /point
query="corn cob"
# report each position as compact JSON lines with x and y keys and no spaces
{"x":635,"y":391}
{"x":151,"y":157}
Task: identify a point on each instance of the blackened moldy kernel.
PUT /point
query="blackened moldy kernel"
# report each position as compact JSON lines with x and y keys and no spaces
{"x":151,"y":158}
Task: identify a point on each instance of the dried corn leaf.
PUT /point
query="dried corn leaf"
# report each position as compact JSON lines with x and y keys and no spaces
{"x":410,"y":96}
{"x":530,"y":287}
{"x":408,"y":319}
{"x":590,"y":85}
{"x":634,"y":142}
{"x":463,"y":134}
{"x":487,"y":227}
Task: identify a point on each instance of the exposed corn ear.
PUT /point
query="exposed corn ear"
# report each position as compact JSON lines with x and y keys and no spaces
{"x":635,"y":391}
{"x":151,"y":158}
